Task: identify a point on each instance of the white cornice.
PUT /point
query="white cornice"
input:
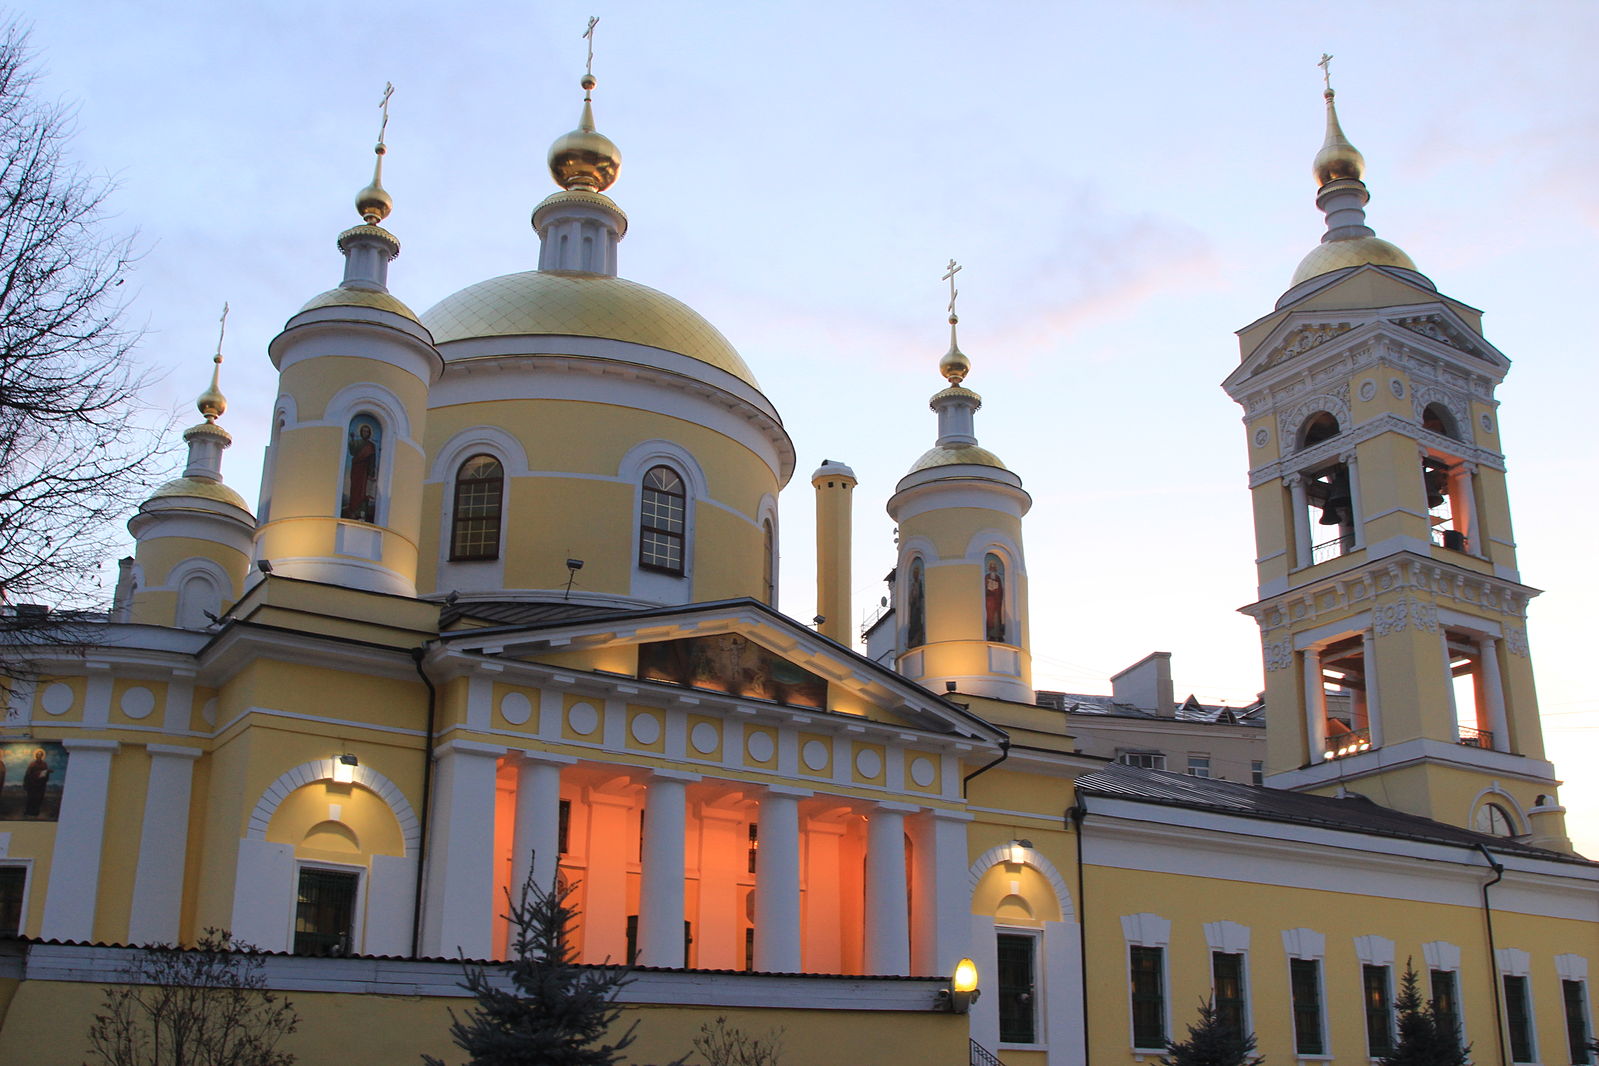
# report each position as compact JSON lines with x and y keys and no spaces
{"x":1360,"y":585}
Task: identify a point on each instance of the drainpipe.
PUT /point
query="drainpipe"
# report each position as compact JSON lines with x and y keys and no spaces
{"x":427,"y":790}
{"x":1493,"y":956}
{"x":1077,"y":814}
{"x":1004,"y":753}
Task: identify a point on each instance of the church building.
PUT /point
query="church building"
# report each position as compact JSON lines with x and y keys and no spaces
{"x":346,"y":722}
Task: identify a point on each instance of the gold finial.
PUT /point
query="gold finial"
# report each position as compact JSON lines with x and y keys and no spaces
{"x":954,"y":366}
{"x":1338,"y":159}
{"x":211,"y":402}
{"x":374,"y":203}
{"x":585,"y":158}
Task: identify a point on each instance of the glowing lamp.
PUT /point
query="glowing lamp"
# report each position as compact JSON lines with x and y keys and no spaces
{"x":344,"y":769}
{"x":963,"y":988}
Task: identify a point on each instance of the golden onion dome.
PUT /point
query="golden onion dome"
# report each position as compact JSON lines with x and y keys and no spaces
{"x":1338,"y":159}
{"x":553,"y":303}
{"x":199,"y":488}
{"x":343,"y":297}
{"x":957,"y":455}
{"x":212,"y":403}
{"x":1354,"y":251}
{"x":585,"y":158}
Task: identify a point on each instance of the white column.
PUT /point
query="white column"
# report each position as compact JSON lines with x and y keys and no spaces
{"x":1493,"y":692}
{"x":660,"y":919}
{"x":940,"y":931}
{"x":536,"y":845}
{"x":1449,"y":684}
{"x":1468,"y":494}
{"x":1315,"y":705}
{"x":163,"y":846}
{"x":459,"y":905}
{"x":777,"y":883}
{"x":887,"y":914}
{"x":80,"y":833}
{"x":1357,"y":513}
{"x":1368,"y":663}
{"x":1300,"y":507}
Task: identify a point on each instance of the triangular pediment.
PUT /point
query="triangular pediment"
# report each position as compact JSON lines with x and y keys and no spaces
{"x":736,"y":651}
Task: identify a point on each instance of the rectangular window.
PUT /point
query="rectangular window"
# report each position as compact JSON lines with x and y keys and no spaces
{"x":1199,"y":766}
{"x":1149,"y":760}
{"x":1446,"y":1002}
{"x":13,"y":880}
{"x":1257,"y":772}
{"x":1518,"y":1012}
{"x":1379,"y":1011}
{"x":1018,"y":1016}
{"x":324,"y":915}
{"x":563,"y":831}
{"x":1305,"y":981}
{"x":1576,"y":998}
{"x":1227,"y":979}
{"x":1149,"y":997}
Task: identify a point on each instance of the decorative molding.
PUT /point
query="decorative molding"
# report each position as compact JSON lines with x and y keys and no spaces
{"x":1001,"y":854}
{"x":1516,"y":641}
{"x":1424,"y":582}
{"x":1279,"y":654}
{"x":1306,"y":337}
{"x":1435,"y":328}
{"x":322,"y":770}
{"x":1334,"y":401}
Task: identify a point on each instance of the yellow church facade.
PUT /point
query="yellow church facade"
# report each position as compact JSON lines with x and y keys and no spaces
{"x":344,"y":725}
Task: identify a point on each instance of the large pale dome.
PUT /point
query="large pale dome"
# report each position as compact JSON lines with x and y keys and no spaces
{"x":560,"y":303}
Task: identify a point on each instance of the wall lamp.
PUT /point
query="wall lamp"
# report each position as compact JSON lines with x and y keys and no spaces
{"x":344,"y":769}
{"x":962,"y":991}
{"x":1016,"y":851}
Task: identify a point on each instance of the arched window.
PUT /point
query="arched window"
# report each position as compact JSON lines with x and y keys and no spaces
{"x":479,"y":493}
{"x":662,"y":521}
{"x":768,"y":561}
{"x":994,"y":627}
{"x":916,"y":605}
{"x":1437,"y":419}
{"x":1317,"y":428}
{"x":1494,"y":820}
{"x":364,"y":454}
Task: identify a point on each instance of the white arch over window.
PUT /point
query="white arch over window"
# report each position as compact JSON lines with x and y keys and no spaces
{"x":1001,"y":544}
{"x":202,"y":585}
{"x":766,"y":512}
{"x":366,"y":397}
{"x":648,"y":584}
{"x":1001,"y":853}
{"x":1497,"y":796}
{"x":478,"y":440}
{"x":646,"y":454}
{"x":322,"y":770}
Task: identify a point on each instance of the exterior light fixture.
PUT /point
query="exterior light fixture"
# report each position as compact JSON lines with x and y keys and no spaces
{"x":1016,"y":851}
{"x":962,"y":990}
{"x":264,"y":565}
{"x":344,"y":769}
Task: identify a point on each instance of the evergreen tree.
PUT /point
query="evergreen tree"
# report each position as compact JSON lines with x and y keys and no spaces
{"x":556,"y":1011}
{"x":1422,"y":1040}
{"x":1212,"y":1042}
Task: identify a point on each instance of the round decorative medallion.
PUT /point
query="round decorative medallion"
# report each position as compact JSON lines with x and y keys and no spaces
{"x":56,"y":698}
{"x":760,"y":747}
{"x":646,"y":728}
{"x":704,"y":737}
{"x":868,"y":763}
{"x":1368,"y":389}
{"x":1261,"y":437}
{"x":815,"y":755}
{"x":1396,"y":387}
{"x":922,"y":771}
{"x":583,"y":719}
{"x":1487,"y":424}
{"x":516,"y":708}
{"x":138,"y":702}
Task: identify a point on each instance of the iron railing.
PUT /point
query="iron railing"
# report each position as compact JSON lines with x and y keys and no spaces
{"x":1475,"y":738}
{"x":981,"y":1056}
{"x":1452,"y":539}
{"x":1352,"y":742}
{"x":1327,"y":549}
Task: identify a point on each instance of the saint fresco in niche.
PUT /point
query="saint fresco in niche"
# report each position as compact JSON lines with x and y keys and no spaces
{"x":32,"y":775}
{"x":364,"y":449}
{"x":993,"y":598}
{"x":916,"y":606}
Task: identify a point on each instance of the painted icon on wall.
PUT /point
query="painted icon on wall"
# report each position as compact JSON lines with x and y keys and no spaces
{"x":916,"y":622}
{"x":994,"y":598}
{"x":32,"y":774}
{"x":734,"y":664}
{"x":365,"y":448}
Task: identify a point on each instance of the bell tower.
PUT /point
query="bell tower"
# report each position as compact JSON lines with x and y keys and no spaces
{"x":1391,"y":610}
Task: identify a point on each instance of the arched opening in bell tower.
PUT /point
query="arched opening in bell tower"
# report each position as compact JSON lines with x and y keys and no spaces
{"x":1323,"y":497}
{"x":1451,"y":502}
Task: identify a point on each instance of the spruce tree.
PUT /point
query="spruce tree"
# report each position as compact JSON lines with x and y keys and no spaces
{"x":1212,"y":1042}
{"x":557,"y":1011}
{"x":1422,"y":1040}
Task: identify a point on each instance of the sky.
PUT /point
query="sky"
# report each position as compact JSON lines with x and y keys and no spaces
{"x":1124,"y":184}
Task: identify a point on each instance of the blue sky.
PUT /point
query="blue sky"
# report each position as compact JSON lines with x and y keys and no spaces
{"x":1125,"y":185}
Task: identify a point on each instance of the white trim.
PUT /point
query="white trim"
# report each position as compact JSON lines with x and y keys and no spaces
{"x":322,"y":770}
{"x":491,"y":440}
{"x":1442,"y":956}
{"x":1000,"y":853}
{"x":1493,"y":793}
{"x":1148,"y":930}
{"x":1040,"y":990}
{"x":654,"y":585}
{"x":357,"y":911}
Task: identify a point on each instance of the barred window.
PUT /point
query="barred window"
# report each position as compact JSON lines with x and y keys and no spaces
{"x":1305,"y":986}
{"x":479,"y":494}
{"x":1148,"y":967}
{"x":662,"y":514}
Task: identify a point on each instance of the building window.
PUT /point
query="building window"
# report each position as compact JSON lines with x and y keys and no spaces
{"x":1147,"y":966}
{"x":479,"y":493}
{"x":1227,"y":983}
{"x":13,"y":885}
{"x":1149,"y":760}
{"x":563,"y":830}
{"x":1446,"y":1002}
{"x":1346,"y":711}
{"x":1018,"y":1014}
{"x":1493,"y":820}
{"x":1257,"y":772}
{"x":768,"y":562}
{"x":916,"y":605}
{"x":1518,"y":1012}
{"x":325,"y":914}
{"x":1575,"y":995}
{"x":1305,"y":983}
{"x":1199,"y":766}
{"x":663,"y":511}
{"x":1379,"y":1010}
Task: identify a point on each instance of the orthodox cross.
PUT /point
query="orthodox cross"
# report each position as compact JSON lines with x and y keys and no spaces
{"x":588,"y":35}
{"x":1326,"y":69}
{"x":954,"y":268}
{"x":222,"y":331}
{"x":388,"y":91}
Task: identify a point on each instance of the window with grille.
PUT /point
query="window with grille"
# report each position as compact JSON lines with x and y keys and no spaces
{"x":1018,"y":1015}
{"x":13,"y":882}
{"x":324,"y":915}
{"x":662,"y":521}
{"x":1518,"y":1012}
{"x":1149,"y":996}
{"x":1446,"y":1002}
{"x":479,"y":496}
{"x":1379,"y":1010}
{"x":1305,"y":985}
{"x":1227,"y":980}
{"x":1576,"y":1000}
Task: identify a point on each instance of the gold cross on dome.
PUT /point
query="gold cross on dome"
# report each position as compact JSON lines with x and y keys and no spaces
{"x":588,"y":35}
{"x":388,"y":91}
{"x":222,"y":330}
{"x":954,"y":268}
{"x":1326,"y":69}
